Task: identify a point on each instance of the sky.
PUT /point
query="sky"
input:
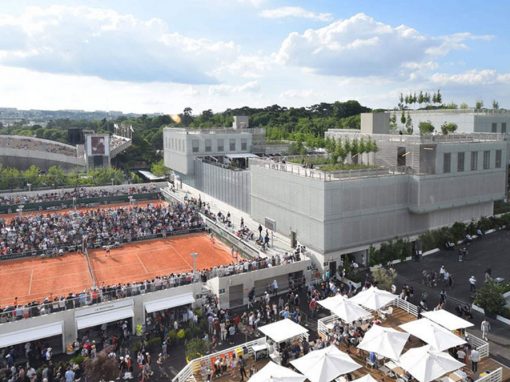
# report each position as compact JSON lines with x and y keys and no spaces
{"x":156,"y":56}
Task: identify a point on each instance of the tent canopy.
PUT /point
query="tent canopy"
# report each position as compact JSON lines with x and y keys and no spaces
{"x":447,"y":320}
{"x":384,"y":341}
{"x":283,"y":330}
{"x":366,"y":378}
{"x":325,"y":365}
{"x":426,"y":364}
{"x":31,"y":334}
{"x":345,"y":309}
{"x":100,"y":318}
{"x":374,"y":298}
{"x":169,"y":302}
{"x":438,"y":337}
{"x":276,"y":373}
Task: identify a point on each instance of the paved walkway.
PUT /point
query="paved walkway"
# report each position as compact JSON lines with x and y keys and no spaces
{"x":488,"y":252}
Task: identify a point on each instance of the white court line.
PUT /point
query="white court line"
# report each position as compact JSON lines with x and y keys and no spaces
{"x":30,"y":283}
{"x":141,"y":263}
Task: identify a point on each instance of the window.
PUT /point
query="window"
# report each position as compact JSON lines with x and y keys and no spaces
{"x":503,"y":128}
{"x":498,"y":158}
{"x":232,"y":145}
{"x":486,"y":160}
{"x":220,"y":144}
{"x":244,"y":144}
{"x":494,"y":127}
{"x":195,"y":144}
{"x":474,"y":160}
{"x":447,"y":161}
{"x":208,"y":145}
{"x":460,"y":162}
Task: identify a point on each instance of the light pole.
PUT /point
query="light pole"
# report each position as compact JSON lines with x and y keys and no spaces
{"x":194,"y":255}
{"x":74,"y":202}
{"x":29,"y":185}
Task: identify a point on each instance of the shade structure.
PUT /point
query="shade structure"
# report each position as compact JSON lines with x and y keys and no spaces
{"x":325,"y":365}
{"x":345,"y":309}
{"x":436,"y":336}
{"x":426,"y":364}
{"x":447,"y":320}
{"x":276,"y":373}
{"x":384,"y":341}
{"x":283,"y":330}
{"x":366,"y":378}
{"x":374,"y":298}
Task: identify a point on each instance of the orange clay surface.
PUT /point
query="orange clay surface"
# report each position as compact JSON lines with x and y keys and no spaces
{"x":33,"y":279}
{"x":36,"y":278}
{"x":146,"y":259}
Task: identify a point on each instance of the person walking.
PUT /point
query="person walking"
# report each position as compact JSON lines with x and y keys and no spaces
{"x":242,"y":368}
{"x":485,"y":327}
{"x":475,"y":358}
{"x":472,"y":284}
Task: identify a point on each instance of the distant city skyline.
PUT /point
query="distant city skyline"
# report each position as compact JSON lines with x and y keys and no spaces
{"x":161,"y":56}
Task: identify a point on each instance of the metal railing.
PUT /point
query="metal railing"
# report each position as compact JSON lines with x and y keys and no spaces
{"x":493,"y":376}
{"x":407,"y":306}
{"x":195,"y":365}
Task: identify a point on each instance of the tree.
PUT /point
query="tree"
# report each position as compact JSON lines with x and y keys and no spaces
{"x":448,"y":128}
{"x":409,"y":124}
{"x":479,"y":105}
{"x":56,"y":176}
{"x":355,"y":151}
{"x":426,"y":127}
{"x":159,"y":168}
{"x":186,"y":116}
{"x":393,"y":121}
{"x":420,"y":98}
{"x":403,"y":118}
{"x":495,"y":105}
{"x":464,"y":106}
{"x":101,"y":368}
{"x":439,"y":97}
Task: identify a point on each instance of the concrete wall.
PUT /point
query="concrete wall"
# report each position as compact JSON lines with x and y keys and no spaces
{"x":229,"y":186}
{"x":23,"y":159}
{"x":375,"y":123}
{"x":221,"y":286}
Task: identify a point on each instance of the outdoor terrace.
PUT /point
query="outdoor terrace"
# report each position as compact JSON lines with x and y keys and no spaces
{"x":403,"y":312}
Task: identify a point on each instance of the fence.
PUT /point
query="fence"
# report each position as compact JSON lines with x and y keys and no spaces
{"x":194,"y":366}
{"x":493,"y":376}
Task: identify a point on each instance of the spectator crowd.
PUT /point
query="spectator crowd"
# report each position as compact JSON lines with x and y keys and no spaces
{"x":78,"y":193}
{"x":51,"y":233}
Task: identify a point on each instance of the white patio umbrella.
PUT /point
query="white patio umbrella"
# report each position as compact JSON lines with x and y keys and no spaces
{"x":384,"y":341}
{"x":276,"y":373}
{"x":366,"y":378}
{"x":436,"y":336}
{"x":345,"y":309}
{"x":373,"y":298}
{"x":325,"y":365}
{"x":426,"y":364}
{"x":446,"y":319}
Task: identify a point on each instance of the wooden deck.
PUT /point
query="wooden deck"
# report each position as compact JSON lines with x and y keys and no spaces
{"x":398,"y":317}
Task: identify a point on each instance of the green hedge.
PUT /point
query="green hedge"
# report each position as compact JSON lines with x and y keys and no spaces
{"x":399,"y":249}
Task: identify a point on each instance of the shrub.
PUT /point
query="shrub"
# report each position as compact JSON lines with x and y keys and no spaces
{"x":383,"y":277}
{"x":181,"y":334}
{"x":489,"y":297}
{"x":156,"y":341}
{"x":196,"y":348}
{"x":78,"y":359}
{"x":172,"y":336}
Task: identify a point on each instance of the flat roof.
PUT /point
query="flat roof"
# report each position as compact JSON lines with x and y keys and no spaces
{"x":150,"y":176}
{"x":241,"y":156}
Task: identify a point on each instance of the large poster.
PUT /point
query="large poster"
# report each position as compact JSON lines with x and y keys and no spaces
{"x":98,"y":145}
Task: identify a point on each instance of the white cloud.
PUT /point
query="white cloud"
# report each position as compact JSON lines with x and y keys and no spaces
{"x":224,"y":89}
{"x":298,"y":93}
{"x":107,"y":44}
{"x":472,"y":77}
{"x":246,"y":66}
{"x":297,"y":12}
{"x":361,"y":46}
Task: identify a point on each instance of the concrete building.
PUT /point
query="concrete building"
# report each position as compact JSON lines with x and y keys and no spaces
{"x":215,"y":161}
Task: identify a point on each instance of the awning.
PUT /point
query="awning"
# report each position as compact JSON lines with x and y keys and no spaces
{"x":169,"y":302}
{"x":283,"y":330}
{"x":32,"y":334}
{"x":241,"y":156}
{"x":104,"y":317}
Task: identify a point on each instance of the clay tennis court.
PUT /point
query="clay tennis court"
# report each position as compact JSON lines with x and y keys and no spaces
{"x":36,"y":278}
